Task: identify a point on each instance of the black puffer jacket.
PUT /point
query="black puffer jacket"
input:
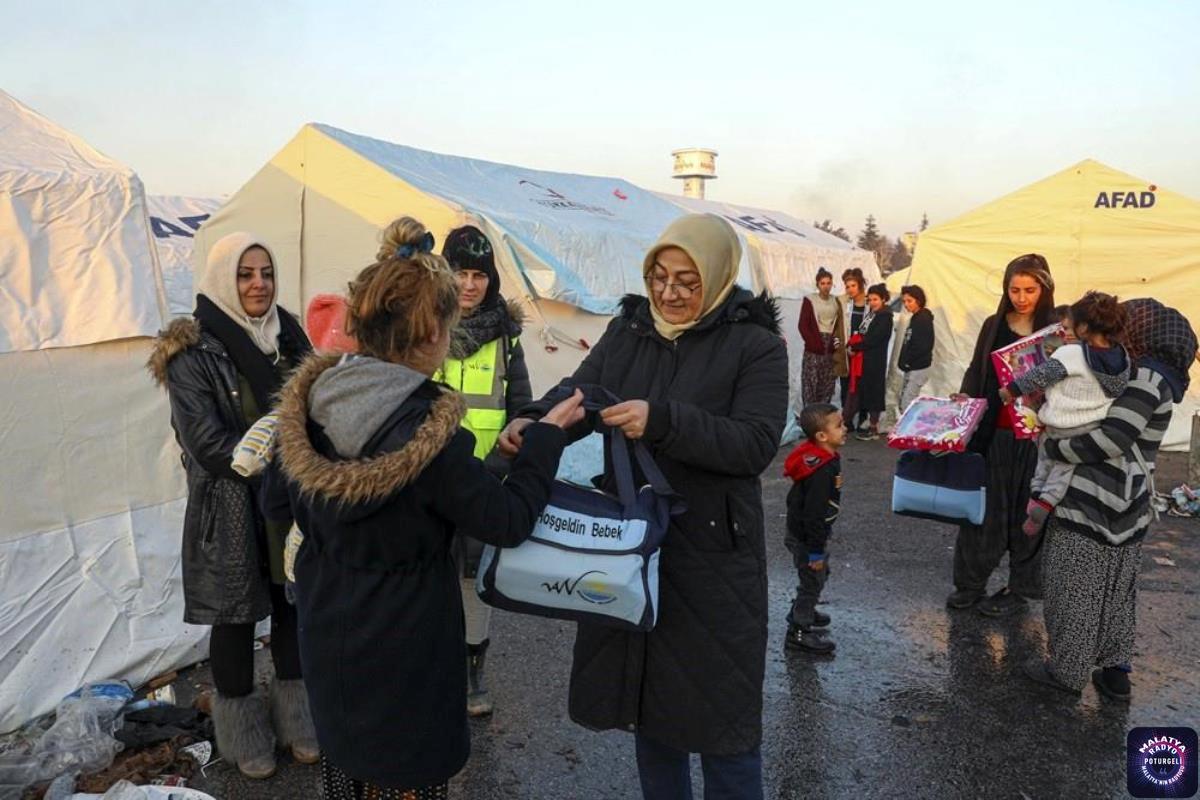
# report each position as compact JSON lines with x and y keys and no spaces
{"x":718,"y":401}
{"x":224,"y":569}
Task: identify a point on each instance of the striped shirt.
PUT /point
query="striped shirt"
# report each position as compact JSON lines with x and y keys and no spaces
{"x":1109,"y":496}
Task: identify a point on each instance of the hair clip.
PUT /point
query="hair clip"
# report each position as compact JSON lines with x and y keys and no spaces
{"x":410,"y":250}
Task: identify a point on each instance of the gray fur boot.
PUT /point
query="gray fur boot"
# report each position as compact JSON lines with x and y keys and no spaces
{"x":244,"y":733}
{"x":293,"y":720}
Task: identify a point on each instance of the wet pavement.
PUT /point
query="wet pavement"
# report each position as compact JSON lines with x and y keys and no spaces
{"x":918,"y":702}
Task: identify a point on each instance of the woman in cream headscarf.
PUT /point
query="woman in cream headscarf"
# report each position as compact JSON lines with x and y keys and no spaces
{"x":222,"y":368}
{"x":703,"y":368}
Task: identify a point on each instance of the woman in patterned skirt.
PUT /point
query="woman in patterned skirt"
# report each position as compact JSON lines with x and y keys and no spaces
{"x":821,"y":324}
{"x":1093,"y":548}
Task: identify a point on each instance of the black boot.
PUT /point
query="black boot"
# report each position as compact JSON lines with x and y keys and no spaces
{"x":1113,"y":683}
{"x":1002,"y":603}
{"x":820,"y":620}
{"x":479,"y":701}
{"x":809,"y":641}
{"x":963,"y":598}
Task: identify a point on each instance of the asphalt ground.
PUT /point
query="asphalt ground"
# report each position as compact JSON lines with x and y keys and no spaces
{"x":918,"y":702}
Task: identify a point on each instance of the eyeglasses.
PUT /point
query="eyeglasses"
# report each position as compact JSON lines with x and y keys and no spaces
{"x":683,"y":290}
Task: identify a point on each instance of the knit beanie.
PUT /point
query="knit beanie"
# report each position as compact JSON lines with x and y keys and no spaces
{"x":468,"y":248}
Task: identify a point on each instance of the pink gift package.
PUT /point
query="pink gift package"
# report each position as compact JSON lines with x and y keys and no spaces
{"x":937,"y":423}
{"x":1016,"y":360}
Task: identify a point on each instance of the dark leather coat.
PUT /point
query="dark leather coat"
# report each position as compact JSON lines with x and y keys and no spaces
{"x":225,"y":578}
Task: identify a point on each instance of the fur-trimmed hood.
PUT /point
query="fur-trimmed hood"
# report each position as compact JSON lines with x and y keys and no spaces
{"x":356,"y":481}
{"x":516,"y":313}
{"x":182,"y":333}
{"x":742,"y":305}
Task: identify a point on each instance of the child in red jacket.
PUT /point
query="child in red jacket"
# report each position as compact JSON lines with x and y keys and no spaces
{"x":813,"y":504}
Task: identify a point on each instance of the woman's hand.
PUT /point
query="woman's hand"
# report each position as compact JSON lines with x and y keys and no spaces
{"x":566,"y":413}
{"x":959,"y":397}
{"x":512,"y":436}
{"x":1006,"y":396}
{"x":631,"y":417}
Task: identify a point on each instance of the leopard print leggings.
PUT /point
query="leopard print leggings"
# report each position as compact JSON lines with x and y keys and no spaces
{"x":1091,"y":603}
{"x":337,"y":785}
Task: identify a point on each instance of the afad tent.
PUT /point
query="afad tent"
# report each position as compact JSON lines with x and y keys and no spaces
{"x":569,"y":245}
{"x":1099,"y":228}
{"x":173,"y":222}
{"x":92,"y":494}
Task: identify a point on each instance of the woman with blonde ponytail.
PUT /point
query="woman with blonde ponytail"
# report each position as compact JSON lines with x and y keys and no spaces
{"x":381,"y":476}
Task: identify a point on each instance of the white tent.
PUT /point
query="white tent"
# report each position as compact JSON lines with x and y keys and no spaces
{"x":784,"y":255}
{"x":173,"y":222}
{"x":569,"y":245}
{"x":92,"y":495}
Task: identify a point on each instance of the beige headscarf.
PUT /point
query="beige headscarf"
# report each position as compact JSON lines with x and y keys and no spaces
{"x":219,"y":284}
{"x":711,"y":243}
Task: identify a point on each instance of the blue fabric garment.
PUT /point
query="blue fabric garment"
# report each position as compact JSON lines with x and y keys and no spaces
{"x":666,"y":774}
{"x":1106,"y":360}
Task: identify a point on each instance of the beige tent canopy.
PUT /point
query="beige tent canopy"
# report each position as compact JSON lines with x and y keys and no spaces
{"x":1098,"y":227}
{"x":568,"y":245}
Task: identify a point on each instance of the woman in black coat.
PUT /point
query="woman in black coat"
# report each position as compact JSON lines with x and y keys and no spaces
{"x":381,"y":477}
{"x":704,"y":371}
{"x":221,"y":368}
{"x":1027,"y":305}
{"x":869,"y":360}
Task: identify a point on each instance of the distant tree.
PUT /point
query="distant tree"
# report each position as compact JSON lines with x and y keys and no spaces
{"x":924,"y":221}
{"x":827,"y":226}
{"x":899,"y":258}
{"x":870,"y":238}
{"x":883,"y":254}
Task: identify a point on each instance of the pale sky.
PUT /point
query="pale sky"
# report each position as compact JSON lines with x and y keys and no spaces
{"x":817,"y":109}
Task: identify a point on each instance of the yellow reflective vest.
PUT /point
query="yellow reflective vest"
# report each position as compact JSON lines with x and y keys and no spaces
{"x":482,"y":378}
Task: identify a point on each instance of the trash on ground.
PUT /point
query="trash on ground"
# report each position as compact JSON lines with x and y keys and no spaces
{"x":1183,"y":501}
{"x":80,"y":740}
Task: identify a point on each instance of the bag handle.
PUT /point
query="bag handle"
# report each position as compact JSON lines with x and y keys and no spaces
{"x":598,"y":398}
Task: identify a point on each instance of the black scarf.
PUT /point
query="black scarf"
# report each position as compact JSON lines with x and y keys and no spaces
{"x":253,"y":364}
{"x":490,"y":321}
{"x":1163,"y":338}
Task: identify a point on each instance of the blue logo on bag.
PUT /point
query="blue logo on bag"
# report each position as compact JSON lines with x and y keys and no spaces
{"x":1161,"y":762}
{"x":593,"y":591}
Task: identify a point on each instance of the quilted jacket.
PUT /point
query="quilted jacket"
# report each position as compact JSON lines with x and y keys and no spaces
{"x":718,"y":401}
{"x":225,"y":571}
